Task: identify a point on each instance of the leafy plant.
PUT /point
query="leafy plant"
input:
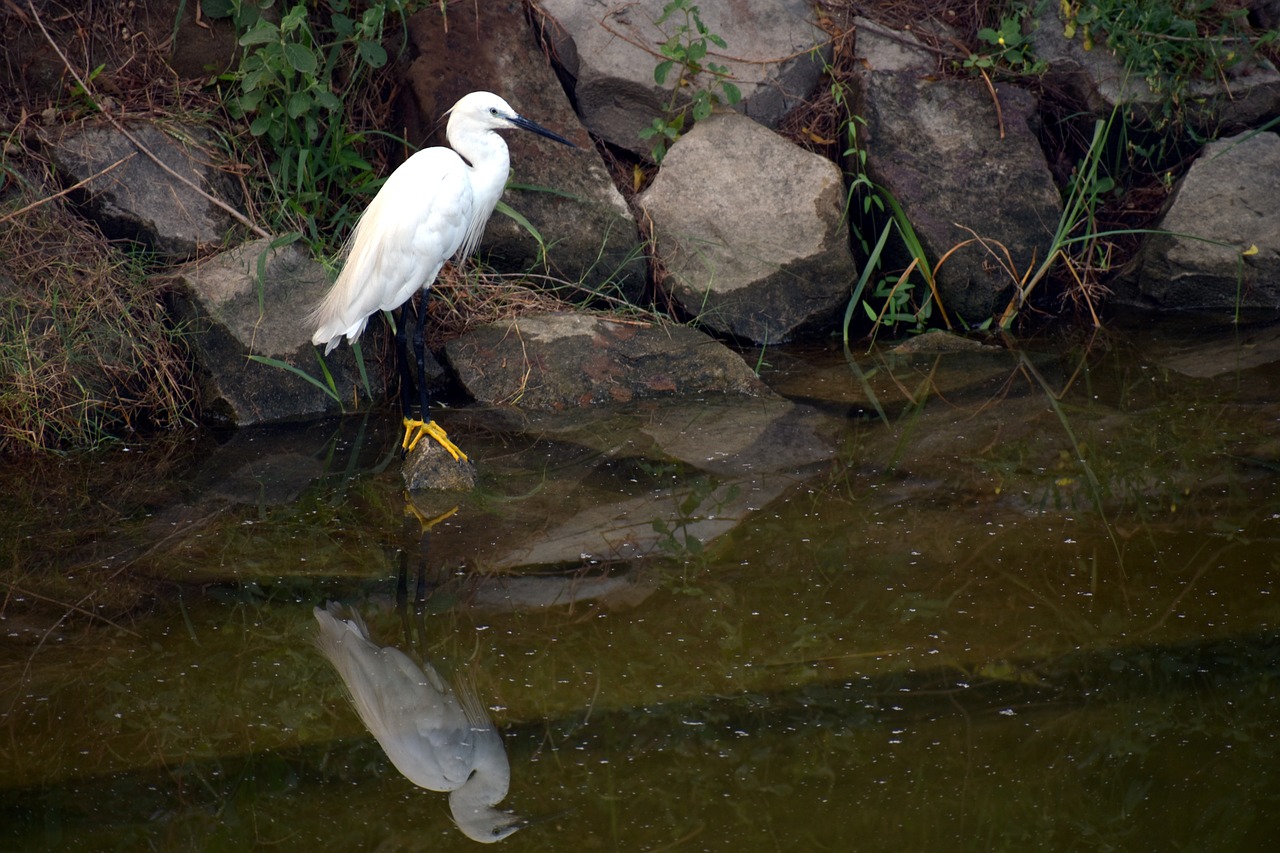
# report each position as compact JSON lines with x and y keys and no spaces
{"x":1011,"y":50}
{"x":291,"y":86}
{"x":1169,"y":45}
{"x":686,"y":53}
{"x":892,"y":300}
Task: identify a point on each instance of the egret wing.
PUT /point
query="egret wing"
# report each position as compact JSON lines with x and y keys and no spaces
{"x":415,"y":223}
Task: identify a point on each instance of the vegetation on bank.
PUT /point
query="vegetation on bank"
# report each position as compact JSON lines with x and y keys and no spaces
{"x":85,"y":351}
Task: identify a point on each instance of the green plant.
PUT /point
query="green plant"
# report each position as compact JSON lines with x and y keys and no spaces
{"x":82,"y":101}
{"x":896,"y":302}
{"x":1170,"y":45}
{"x":293,"y":85}
{"x":1010,"y":49}
{"x":685,"y":51}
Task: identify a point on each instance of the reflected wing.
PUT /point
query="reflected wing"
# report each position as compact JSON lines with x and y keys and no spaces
{"x":412,"y":714}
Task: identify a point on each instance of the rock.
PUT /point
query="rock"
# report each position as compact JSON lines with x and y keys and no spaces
{"x":939,"y":342}
{"x":751,"y":232}
{"x":588,"y":233}
{"x":1227,"y":197}
{"x":1265,"y":13}
{"x":228,"y":316}
{"x":775,"y":54}
{"x":551,"y":362}
{"x":1224,"y":356}
{"x":430,"y":466}
{"x":137,"y":200}
{"x":959,"y":168}
{"x":736,"y":454}
{"x":1248,"y":96}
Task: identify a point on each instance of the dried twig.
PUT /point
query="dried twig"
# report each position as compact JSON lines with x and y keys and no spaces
{"x":70,"y":189}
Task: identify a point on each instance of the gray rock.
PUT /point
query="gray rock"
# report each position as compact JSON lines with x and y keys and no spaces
{"x":1265,"y":13}
{"x":775,"y":54}
{"x":430,"y":467}
{"x":959,"y":168}
{"x":750,"y":230}
{"x":551,"y":362}
{"x":1229,"y":197}
{"x":884,"y":49}
{"x":227,"y":314}
{"x":1248,"y":96}
{"x":138,"y":200}
{"x":589,"y":235}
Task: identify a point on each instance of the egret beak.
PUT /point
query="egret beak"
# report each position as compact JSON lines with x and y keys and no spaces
{"x":524,"y":124}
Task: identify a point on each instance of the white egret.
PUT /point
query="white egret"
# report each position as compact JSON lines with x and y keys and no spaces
{"x":439,"y":738}
{"x":433,"y":207}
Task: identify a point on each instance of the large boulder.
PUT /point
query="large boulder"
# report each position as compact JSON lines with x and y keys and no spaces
{"x":131,"y":197}
{"x":588,"y":234}
{"x":774,"y":53}
{"x":1225,"y":204}
{"x":254,"y":301}
{"x":550,"y":362}
{"x":962,"y":163}
{"x":750,"y":231}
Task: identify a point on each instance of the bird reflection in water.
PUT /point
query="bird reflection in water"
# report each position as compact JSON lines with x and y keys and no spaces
{"x":439,"y":736}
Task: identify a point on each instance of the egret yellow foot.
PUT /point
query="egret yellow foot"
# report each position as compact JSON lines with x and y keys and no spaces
{"x":414,"y":430}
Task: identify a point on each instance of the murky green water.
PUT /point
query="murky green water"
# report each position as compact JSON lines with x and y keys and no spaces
{"x":980,"y":601}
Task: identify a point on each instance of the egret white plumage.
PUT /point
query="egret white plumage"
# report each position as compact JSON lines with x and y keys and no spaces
{"x":432,"y":208}
{"x":439,"y":738}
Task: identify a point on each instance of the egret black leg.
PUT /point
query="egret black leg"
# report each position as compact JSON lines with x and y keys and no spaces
{"x":402,"y":362}
{"x":420,"y":353}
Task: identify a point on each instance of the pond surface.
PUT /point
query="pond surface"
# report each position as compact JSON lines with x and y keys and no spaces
{"x":977,"y":600}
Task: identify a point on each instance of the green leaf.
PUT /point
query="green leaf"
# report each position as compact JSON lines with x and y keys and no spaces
{"x":732,"y":94}
{"x":330,"y":388}
{"x":263,"y":32}
{"x":661,"y":71}
{"x":327,"y":99}
{"x":372,"y":21}
{"x":295,"y":18}
{"x":260,"y":125}
{"x":301,"y":58}
{"x":299,"y":104}
{"x":217,"y":8}
{"x":342,"y":25}
{"x":374,"y":54}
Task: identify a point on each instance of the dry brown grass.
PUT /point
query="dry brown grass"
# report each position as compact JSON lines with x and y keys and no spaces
{"x":85,"y":352}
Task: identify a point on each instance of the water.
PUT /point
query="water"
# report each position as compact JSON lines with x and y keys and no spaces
{"x":980,"y":600}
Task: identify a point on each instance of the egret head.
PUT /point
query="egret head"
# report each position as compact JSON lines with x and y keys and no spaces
{"x":485,"y":111}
